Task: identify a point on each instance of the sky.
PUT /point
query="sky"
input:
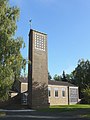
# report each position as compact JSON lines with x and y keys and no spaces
{"x":67,"y":24}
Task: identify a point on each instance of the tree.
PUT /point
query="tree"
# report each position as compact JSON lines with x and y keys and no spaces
{"x":64,"y":77}
{"x":57,"y":77}
{"x":81,"y":75}
{"x":49,"y":76}
{"x":11,"y":60}
{"x":86,"y":93}
{"x":69,"y":77}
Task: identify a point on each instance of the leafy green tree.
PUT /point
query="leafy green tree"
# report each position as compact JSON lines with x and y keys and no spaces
{"x":6,"y":80}
{"x":57,"y":77}
{"x":69,"y":77}
{"x":86,"y":93}
{"x":11,"y":60}
{"x":64,"y":77}
{"x":81,"y":75}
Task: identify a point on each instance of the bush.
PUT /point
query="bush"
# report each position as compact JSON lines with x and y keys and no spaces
{"x":86,"y":93}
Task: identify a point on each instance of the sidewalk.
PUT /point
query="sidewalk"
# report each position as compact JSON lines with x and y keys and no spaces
{"x":29,"y":113}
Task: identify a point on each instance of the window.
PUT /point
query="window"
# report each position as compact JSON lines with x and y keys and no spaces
{"x":63,"y":92}
{"x":40,"y":41}
{"x":49,"y":92}
{"x":73,"y":95}
{"x":56,"y":92}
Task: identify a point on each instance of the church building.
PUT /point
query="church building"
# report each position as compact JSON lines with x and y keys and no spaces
{"x":37,"y":91}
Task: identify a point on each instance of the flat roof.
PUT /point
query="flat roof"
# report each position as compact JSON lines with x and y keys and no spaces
{"x":53,"y":82}
{"x":38,"y":31}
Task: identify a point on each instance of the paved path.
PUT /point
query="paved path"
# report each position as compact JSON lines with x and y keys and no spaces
{"x":30,"y":117}
{"x":36,"y":115}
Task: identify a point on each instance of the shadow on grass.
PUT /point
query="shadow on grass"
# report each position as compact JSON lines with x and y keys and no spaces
{"x":65,"y":108}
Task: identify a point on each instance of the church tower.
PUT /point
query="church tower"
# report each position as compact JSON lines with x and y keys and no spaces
{"x":37,"y":70}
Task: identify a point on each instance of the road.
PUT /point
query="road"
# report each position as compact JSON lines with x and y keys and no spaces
{"x":34,"y":115}
{"x":39,"y":118}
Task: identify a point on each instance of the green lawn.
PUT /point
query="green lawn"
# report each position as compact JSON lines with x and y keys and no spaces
{"x":64,"y":108}
{"x":71,"y":106}
{"x":85,"y":116}
{"x":2,"y":114}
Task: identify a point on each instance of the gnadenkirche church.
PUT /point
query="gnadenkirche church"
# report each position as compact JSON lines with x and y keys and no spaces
{"x":37,"y":91}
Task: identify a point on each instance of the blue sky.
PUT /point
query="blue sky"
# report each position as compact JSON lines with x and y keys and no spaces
{"x":67,"y":23}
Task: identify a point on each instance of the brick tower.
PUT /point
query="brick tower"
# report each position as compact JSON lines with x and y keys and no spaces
{"x":37,"y":70}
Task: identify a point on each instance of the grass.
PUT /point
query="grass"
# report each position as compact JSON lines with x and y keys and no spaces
{"x":2,"y":114}
{"x":85,"y":116}
{"x":64,"y":108}
{"x":71,"y":106}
